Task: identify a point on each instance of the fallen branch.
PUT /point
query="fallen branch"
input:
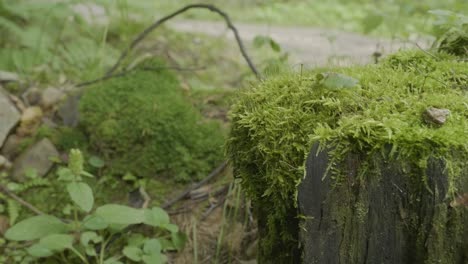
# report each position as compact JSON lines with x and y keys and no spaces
{"x":4,"y":190}
{"x":161,"y":21}
{"x":185,"y":193}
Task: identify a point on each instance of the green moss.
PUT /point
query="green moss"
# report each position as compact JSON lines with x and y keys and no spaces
{"x":275,"y":124}
{"x":143,"y":124}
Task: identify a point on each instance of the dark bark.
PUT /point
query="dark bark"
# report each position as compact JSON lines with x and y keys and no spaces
{"x":386,"y":215}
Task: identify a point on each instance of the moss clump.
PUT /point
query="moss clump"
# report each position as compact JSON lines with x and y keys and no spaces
{"x":143,"y":124}
{"x":275,"y":124}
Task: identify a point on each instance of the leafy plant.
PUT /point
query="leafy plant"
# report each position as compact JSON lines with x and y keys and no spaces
{"x":451,"y":31}
{"x":91,"y":235}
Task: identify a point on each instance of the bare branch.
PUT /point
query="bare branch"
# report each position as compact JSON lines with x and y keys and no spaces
{"x":185,"y":193}
{"x":161,"y":21}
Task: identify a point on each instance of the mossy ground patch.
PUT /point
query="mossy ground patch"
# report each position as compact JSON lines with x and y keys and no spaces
{"x":143,"y":122}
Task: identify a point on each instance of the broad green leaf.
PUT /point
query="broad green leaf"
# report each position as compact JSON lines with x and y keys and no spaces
{"x":179,"y":239}
{"x":120,"y":214}
{"x":36,"y":227}
{"x":171,"y":228}
{"x":85,"y":240}
{"x":156,"y":217}
{"x":116,"y":228}
{"x":167,"y":244}
{"x":94,"y":222}
{"x":57,"y":242}
{"x":113,"y":260}
{"x":81,"y":194}
{"x":87,"y":237}
{"x":96,"y":162}
{"x":65,"y":174}
{"x":152,"y":246}
{"x":87,"y":174}
{"x":334,"y":80}
{"x":39,"y":251}
{"x":136,"y":240}
{"x":154,"y":259}
{"x":133,"y":253}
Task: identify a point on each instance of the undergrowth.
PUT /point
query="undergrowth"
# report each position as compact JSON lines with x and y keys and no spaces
{"x":362,"y":109}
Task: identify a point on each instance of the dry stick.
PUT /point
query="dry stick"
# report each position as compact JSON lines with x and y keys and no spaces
{"x":161,"y":21}
{"x":185,"y":193}
{"x":7,"y":192}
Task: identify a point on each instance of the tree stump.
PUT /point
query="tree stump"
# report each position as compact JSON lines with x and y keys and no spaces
{"x":382,"y":215}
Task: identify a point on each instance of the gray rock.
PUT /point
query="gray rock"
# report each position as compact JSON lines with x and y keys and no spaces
{"x":435,"y":115}
{"x":68,"y":111}
{"x":33,"y":96}
{"x":36,"y":157}
{"x":11,"y":147}
{"x":8,"y":76}
{"x":51,"y":97}
{"x":4,"y":163}
{"x":31,"y":119}
{"x":9,"y":116}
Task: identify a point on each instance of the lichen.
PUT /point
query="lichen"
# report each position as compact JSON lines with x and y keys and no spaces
{"x":276,"y":122}
{"x":143,"y":124}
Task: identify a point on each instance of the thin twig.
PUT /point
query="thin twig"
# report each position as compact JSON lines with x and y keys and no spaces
{"x":425,"y":51}
{"x":212,"y":208}
{"x":185,"y":193}
{"x":4,"y":189}
{"x":161,"y":21}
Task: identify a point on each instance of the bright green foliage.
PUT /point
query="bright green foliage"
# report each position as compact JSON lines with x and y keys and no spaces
{"x":52,"y":236}
{"x":451,"y":30}
{"x":144,"y":125}
{"x":275,"y":124}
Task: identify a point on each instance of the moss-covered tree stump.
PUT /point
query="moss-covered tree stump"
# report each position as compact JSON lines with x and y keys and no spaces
{"x":364,"y":164}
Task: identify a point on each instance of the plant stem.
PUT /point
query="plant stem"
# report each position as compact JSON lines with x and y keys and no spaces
{"x":76,"y":252}
{"x":103,"y":248}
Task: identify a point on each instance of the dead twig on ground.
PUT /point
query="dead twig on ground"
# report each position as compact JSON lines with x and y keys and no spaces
{"x":185,"y":193}
{"x":4,"y":190}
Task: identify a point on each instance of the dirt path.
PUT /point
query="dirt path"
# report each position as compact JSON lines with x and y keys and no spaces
{"x":308,"y":46}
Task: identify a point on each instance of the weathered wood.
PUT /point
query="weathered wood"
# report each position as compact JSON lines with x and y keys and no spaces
{"x":385,"y":215}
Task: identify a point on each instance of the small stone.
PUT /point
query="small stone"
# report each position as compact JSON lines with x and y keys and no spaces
{"x":8,"y":76}
{"x":436,"y":116}
{"x":30,"y":121}
{"x":9,"y":116}
{"x":37,"y":157}
{"x":11,"y":147}
{"x":4,"y":163}
{"x":68,"y":111}
{"x":33,"y":96}
{"x":51,"y":97}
